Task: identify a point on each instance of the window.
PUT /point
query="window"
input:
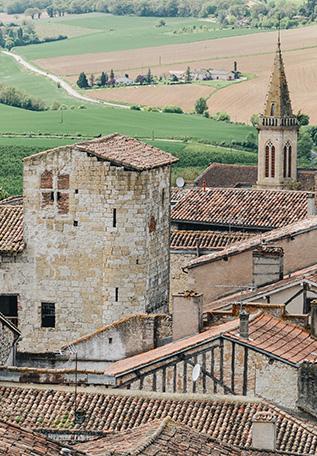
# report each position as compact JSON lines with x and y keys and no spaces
{"x":110,"y":340}
{"x":114,"y":218}
{"x":75,"y":223}
{"x":267,"y":161}
{"x":272,"y":161}
{"x":272,"y":109}
{"x":48,"y":314}
{"x":163,"y":196}
{"x":116,"y":294}
{"x":287,"y":160}
{"x":9,"y":307}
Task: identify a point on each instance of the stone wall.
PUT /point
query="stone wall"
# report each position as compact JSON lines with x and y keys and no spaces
{"x":97,"y":241}
{"x":178,"y":278}
{"x":7,"y":349}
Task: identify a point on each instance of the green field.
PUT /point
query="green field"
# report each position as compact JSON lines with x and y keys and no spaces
{"x":118,"y":33}
{"x":13,"y":74}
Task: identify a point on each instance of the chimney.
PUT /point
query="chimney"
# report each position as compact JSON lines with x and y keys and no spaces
{"x":235,"y":66}
{"x":187,"y":314}
{"x":267,"y":265}
{"x":244,"y":324}
{"x":311,"y":206}
{"x":264,"y":431}
{"x":313,"y":315}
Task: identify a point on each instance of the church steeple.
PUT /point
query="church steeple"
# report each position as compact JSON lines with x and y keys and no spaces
{"x":278,"y":131}
{"x":278,"y":103}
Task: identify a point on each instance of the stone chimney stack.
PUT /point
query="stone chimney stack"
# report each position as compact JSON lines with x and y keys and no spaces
{"x":313,"y":314}
{"x":187,"y":314}
{"x":244,"y":324}
{"x":311,"y":205}
{"x":264,"y":431}
{"x":267,"y":265}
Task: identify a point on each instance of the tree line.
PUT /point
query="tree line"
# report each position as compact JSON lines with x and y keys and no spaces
{"x":12,"y":35}
{"x":263,"y":13}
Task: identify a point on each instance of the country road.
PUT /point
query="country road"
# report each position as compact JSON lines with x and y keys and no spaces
{"x":67,"y":87}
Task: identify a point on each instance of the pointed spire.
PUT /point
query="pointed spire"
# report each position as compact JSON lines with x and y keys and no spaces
{"x":278,"y":103}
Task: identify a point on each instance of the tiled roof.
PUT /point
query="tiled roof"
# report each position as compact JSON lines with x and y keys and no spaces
{"x":163,"y":437}
{"x":280,"y":338}
{"x":307,"y":274}
{"x":15,"y":441}
{"x":241,"y":207}
{"x":128,"y":152}
{"x":294,"y":229}
{"x":227,"y":419}
{"x":225,"y":175}
{"x":178,"y":193}
{"x":208,"y":240}
{"x":11,"y":229}
{"x":12,"y":201}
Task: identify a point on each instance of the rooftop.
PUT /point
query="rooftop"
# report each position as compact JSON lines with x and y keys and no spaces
{"x":226,"y":175}
{"x":227,"y":419}
{"x":11,"y":229}
{"x":205,"y":240}
{"x":128,"y":152}
{"x":163,"y":437}
{"x":294,"y":229}
{"x":241,"y":208}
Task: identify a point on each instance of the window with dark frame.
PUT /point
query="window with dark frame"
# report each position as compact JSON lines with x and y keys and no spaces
{"x":48,"y":315}
{"x":9,"y":307}
{"x":114,"y":218}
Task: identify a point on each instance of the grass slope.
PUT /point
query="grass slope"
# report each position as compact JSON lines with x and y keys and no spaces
{"x":118,"y":33}
{"x":13,"y":74}
{"x":102,"y":120}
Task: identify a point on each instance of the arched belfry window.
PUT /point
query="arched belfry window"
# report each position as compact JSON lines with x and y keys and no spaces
{"x":269,"y":160}
{"x":272,"y":109}
{"x":287,"y":160}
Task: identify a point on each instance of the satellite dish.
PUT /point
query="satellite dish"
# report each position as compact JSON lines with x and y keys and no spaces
{"x":180,"y":182}
{"x":196,"y":372}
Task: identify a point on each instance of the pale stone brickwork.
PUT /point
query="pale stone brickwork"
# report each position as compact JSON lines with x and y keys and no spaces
{"x":97,"y":245}
{"x":178,"y":278}
{"x":6,"y":343}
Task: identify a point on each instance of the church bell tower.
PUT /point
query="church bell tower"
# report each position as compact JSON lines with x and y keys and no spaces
{"x":278,"y":131}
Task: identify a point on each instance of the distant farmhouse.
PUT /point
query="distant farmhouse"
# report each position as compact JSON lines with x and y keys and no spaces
{"x":207,"y":74}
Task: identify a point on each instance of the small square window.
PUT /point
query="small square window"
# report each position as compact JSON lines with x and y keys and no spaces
{"x":76,"y":191}
{"x":48,"y":314}
{"x":110,"y":340}
{"x":75,"y":223}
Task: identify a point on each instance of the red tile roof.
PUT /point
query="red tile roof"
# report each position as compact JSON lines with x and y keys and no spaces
{"x":128,"y":152}
{"x":225,"y":418}
{"x":163,"y":437}
{"x":241,"y":207}
{"x":294,"y":229}
{"x":280,"y":338}
{"x":11,"y":229}
{"x":225,"y":175}
{"x":15,"y":441}
{"x":12,"y":201}
{"x":178,"y":193}
{"x":206,"y":240}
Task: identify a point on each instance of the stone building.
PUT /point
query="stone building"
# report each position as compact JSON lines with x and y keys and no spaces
{"x":95,"y":244}
{"x":9,"y":336}
{"x":278,"y":131}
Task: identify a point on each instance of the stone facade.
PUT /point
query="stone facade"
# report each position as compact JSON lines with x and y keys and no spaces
{"x":97,"y":245}
{"x":8,"y":339}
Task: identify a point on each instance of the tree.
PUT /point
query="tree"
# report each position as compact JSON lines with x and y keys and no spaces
{"x":140,"y":79}
{"x":254,"y":119}
{"x":201,"y":105}
{"x":112,"y":79}
{"x":92,"y":80}
{"x":305,"y":145}
{"x":103,"y":79}
{"x":3,"y":194}
{"x":188,"y":75}
{"x":82,"y":81}
{"x":149,"y":77}
{"x":303,"y":119}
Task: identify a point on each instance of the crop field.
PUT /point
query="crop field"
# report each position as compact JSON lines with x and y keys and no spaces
{"x":254,"y":56}
{"x":117,"y":33}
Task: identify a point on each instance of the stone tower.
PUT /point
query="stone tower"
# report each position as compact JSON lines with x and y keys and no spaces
{"x":96,"y":228}
{"x":278,"y":131}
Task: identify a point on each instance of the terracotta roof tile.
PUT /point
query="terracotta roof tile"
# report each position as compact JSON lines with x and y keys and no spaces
{"x":12,"y":201}
{"x":207,"y":240}
{"x":227,"y":419}
{"x":178,"y":193}
{"x":163,"y":437}
{"x":225,"y":175}
{"x":11,"y":229}
{"x":128,"y":152}
{"x":293,"y":229}
{"x":280,"y":338}
{"x":15,"y":441}
{"x":241,"y":207}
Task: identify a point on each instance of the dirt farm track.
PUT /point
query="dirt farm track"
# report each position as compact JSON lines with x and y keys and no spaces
{"x":254,"y":54}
